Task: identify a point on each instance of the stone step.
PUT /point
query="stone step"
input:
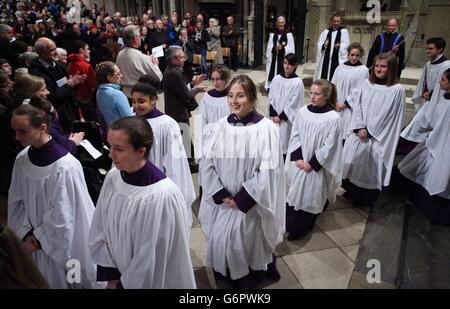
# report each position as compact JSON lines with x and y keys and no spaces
{"x":409,"y":81}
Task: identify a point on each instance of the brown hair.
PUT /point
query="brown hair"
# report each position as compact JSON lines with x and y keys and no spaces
{"x":27,"y":86}
{"x":103,"y":70}
{"x":223,"y":71}
{"x":392,"y":77}
{"x":248,"y":85}
{"x":44,"y":104}
{"x":36,"y":116}
{"x":356,"y":46}
{"x":329,"y":90}
{"x":335,"y":14}
{"x":17,"y":268}
{"x":139,"y":132}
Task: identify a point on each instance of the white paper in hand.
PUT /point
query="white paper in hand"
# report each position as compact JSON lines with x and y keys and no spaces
{"x":91,"y":149}
{"x":158,"y":52}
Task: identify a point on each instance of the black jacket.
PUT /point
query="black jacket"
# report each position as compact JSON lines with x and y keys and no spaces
{"x":188,"y":49}
{"x":61,"y":97}
{"x":177,"y":96}
{"x":200,"y":44}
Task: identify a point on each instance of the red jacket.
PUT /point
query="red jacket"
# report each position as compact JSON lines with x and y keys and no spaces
{"x":78,"y":64}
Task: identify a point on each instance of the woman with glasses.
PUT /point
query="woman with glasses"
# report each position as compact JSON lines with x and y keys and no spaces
{"x":112,"y":103}
{"x":214,"y":105}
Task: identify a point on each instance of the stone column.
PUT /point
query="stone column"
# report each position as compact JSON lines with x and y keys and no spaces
{"x":317,"y":20}
{"x":437,"y":19}
{"x":249,"y":26}
{"x":341,"y":5}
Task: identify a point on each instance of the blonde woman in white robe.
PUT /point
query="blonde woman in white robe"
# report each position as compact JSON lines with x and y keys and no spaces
{"x":314,"y":166}
{"x":376,"y":123}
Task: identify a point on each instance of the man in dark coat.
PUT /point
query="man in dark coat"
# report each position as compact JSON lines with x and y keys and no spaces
{"x":230,"y":39}
{"x":179,"y":98}
{"x":389,"y":41}
{"x":59,"y":84}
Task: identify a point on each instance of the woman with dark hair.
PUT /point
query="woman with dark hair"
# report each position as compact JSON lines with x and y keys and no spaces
{"x":286,"y":98}
{"x":426,"y":169}
{"x":112,"y":103}
{"x":314,"y":169}
{"x":139,"y":236}
{"x":347,"y":77}
{"x":167,"y":152}
{"x":17,"y":268}
{"x":49,"y":207}
{"x":369,"y":150}
{"x":242,"y":209}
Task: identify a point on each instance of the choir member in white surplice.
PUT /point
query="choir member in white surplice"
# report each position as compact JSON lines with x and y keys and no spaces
{"x":427,"y":166}
{"x":242,"y":209}
{"x":314,"y":168}
{"x":376,"y":123}
{"x":214,"y":105}
{"x":138,"y":236}
{"x":286,"y":98}
{"x":167,"y":152}
{"x":49,"y":207}
{"x":280,"y":44}
{"x":349,"y":76}
{"x":432,"y":71}
{"x":331,"y":49}
{"x":423,"y":96}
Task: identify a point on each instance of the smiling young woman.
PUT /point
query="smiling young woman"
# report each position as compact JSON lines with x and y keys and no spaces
{"x":242,"y":208}
{"x":167,"y":152}
{"x":376,"y":123}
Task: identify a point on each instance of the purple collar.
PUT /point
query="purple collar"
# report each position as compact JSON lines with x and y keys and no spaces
{"x":149,"y":174}
{"x":447,"y":95}
{"x":218,"y":94}
{"x":319,"y":110}
{"x":289,"y":77}
{"x":382,"y":81}
{"x":353,"y":65}
{"x":252,"y":118}
{"x":441,"y":59}
{"x":154,"y":113}
{"x":49,"y":153}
